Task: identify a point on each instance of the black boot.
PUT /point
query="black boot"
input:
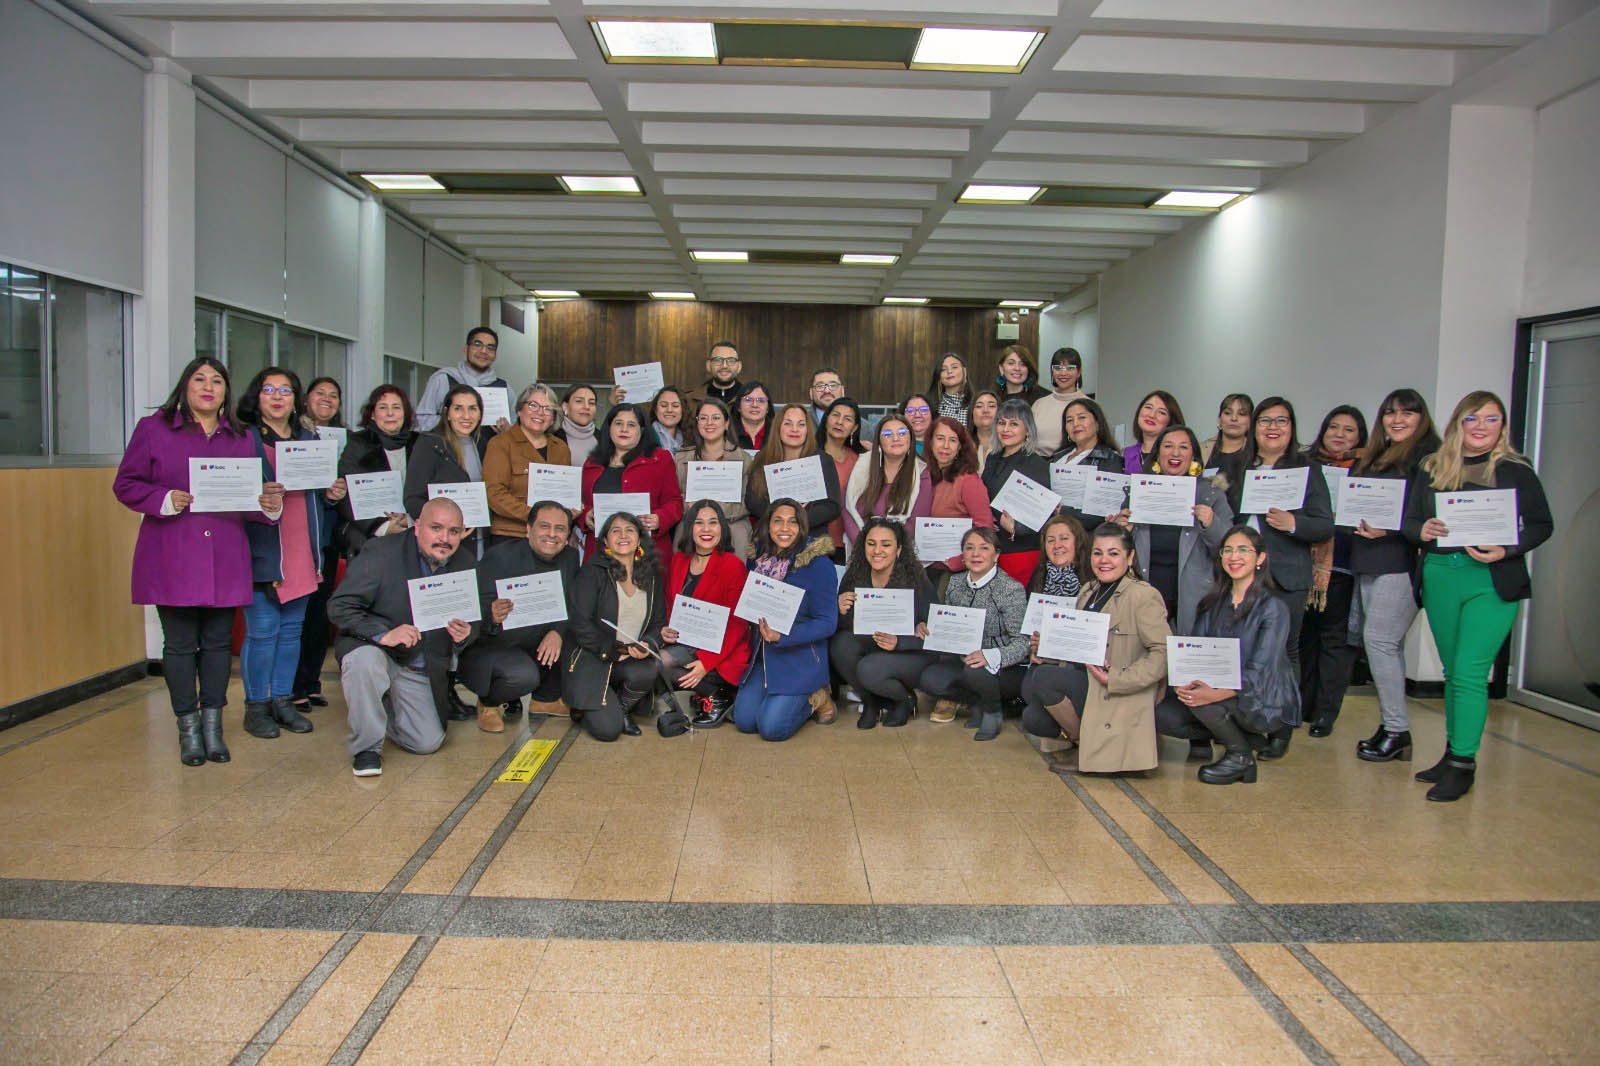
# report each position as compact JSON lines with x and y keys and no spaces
{"x":974,"y":718}
{"x":512,"y":709}
{"x":1237,"y":762}
{"x":1455,"y":779}
{"x":1322,"y":727}
{"x":258,"y":720}
{"x":1277,"y":742}
{"x":284,"y":714}
{"x":460,"y":710}
{"x":1384,"y":746}
{"x":898,"y":713}
{"x":871,"y":709}
{"x":191,"y":749}
{"x":211,"y":733}
{"x":989,"y":725}
{"x":1435,"y":773}
{"x":711,"y":711}
{"x":630,"y":700}
{"x":1199,"y":751}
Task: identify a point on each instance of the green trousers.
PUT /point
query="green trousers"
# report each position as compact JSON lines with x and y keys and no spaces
{"x":1470,"y":622}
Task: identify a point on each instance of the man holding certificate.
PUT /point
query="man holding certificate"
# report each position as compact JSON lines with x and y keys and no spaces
{"x":883,"y":614}
{"x":383,"y":649}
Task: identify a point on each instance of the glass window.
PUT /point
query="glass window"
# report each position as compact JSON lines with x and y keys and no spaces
{"x":21,"y":342}
{"x":249,"y":349}
{"x":332,"y":358}
{"x":297,"y":351}
{"x":86,"y":369}
{"x":208,"y":331}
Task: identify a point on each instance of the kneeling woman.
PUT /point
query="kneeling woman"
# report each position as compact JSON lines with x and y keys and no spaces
{"x":1244,"y":604}
{"x":617,"y":613}
{"x":884,"y":667}
{"x":986,"y":678}
{"x":1115,"y":700}
{"x":787,"y":667}
{"x":704,"y":568}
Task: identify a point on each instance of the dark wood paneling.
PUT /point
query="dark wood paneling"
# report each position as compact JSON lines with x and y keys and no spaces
{"x":883,"y":353}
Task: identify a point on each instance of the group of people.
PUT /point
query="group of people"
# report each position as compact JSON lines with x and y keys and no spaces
{"x":1301,"y":595}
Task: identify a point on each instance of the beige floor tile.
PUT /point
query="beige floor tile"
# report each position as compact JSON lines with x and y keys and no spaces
{"x":200,"y":1008}
{"x":894,"y":884}
{"x":967,"y":972}
{"x":447,"y":1026}
{"x":130,"y":1052}
{"x":829,"y":970}
{"x":88,"y":1005}
{"x":282,"y":1054}
{"x":846,"y":1032}
{"x":1175,"y":971}
{"x":962,"y":1031}
{"x":675,"y":1030}
{"x":265,"y":954}
{"x":60,"y":1050}
{"x":334,"y":1009}
{"x":710,"y":969}
{"x":1440,"y":1026}
{"x":469,"y":962}
{"x":62,"y":946}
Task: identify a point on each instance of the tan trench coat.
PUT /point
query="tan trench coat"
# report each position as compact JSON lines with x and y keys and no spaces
{"x":1119,"y":719}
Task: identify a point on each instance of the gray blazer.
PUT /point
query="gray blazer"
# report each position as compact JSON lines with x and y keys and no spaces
{"x":1006,"y":602}
{"x":1197,"y":551}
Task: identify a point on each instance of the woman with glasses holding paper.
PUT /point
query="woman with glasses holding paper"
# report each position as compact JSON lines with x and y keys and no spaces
{"x":711,"y":443}
{"x":1086,"y":443}
{"x":891,"y":482}
{"x":958,"y":491}
{"x":883,"y":663}
{"x":705,"y":569}
{"x":628,"y":461}
{"x":379,"y":444}
{"x":618,"y":609}
{"x":1242,"y":605}
{"x":983,"y":665}
{"x":793,"y":438}
{"x":790,"y":661}
{"x":1383,"y":562}
{"x":1477,"y":509}
{"x":1016,"y":438}
{"x":508,"y":456}
{"x":1327,"y":655}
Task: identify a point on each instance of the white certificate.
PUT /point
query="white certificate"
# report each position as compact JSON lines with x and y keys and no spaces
{"x":376,"y":495}
{"x":699,"y":624}
{"x":563,"y":484}
{"x":535,"y":599}
{"x":885,"y":611}
{"x":1074,"y":636}
{"x":797,"y":479}
{"x":1161,"y":500}
{"x":1029,"y":503}
{"x":1477,"y":519}
{"x":1211,"y":660}
{"x":305,"y":464}
{"x":607,"y":504}
{"x":437,"y":601}
{"x":723,"y":482}
{"x":641,"y":381}
{"x":496,"y":405}
{"x":470,"y":496}
{"x":1038,"y":603}
{"x":765,"y":598}
{"x":1266,"y":489}
{"x":940,"y":538}
{"x":1068,"y":480}
{"x":225,"y":484}
{"x":338,"y":434}
{"x":1378,"y":501}
{"x":1335,"y":477}
{"x":954,"y":629}
{"x":1104,"y":494}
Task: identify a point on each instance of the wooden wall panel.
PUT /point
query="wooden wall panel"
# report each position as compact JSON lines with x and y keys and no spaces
{"x":65,"y":613}
{"x":883,"y":353}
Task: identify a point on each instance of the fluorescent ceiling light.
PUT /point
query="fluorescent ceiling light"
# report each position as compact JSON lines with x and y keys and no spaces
{"x":556,"y":294}
{"x":1022,"y":303}
{"x":905,"y":299}
{"x":858,"y":259}
{"x":655,"y":295}
{"x":628,"y":39}
{"x":1193,"y":198}
{"x":999,"y":194}
{"x":721,"y":257}
{"x":402,"y":182}
{"x":600,"y":183}
{"x":947,"y":46}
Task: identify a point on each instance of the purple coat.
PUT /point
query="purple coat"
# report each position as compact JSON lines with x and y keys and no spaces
{"x":186,"y":559}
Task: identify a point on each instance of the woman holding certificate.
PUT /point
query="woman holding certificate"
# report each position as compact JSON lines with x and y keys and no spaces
{"x":787,"y":667}
{"x":629,"y":460}
{"x":1326,"y":654}
{"x":891,"y":482}
{"x":381,"y":443}
{"x":1015,"y":439}
{"x":618,"y":609}
{"x":324,"y":400}
{"x":1477,"y":509}
{"x":1224,"y":453}
{"x":1242,"y":605}
{"x":192,"y":565}
{"x":958,"y":491}
{"x":712,"y":444}
{"x":1048,"y":690}
{"x":506,"y":461}
{"x":883,"y":663}
{"x":1066,"y":385}
{"x":794,"y":437}
{"x":451,"y":453}
{"x":989,"y":669}
{"x":705,"y":569}
{"x":840,"y":434}
{"x":1156,"y":412}
{"x":1087,"y":443}
{"x":1383,"y":560}
{"x":985,"y":406}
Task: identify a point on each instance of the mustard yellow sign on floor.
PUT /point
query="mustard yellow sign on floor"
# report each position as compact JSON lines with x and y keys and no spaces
{"x":526,"y":762}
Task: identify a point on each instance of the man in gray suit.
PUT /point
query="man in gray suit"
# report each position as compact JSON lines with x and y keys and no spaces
{"x":396,"y":677}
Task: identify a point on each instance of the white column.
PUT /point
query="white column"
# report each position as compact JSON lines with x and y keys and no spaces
{"x":366,"y":354}
{"x":164,"y":316}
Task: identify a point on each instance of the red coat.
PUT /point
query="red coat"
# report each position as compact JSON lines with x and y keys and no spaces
{"x":655,"y":474}
{"x":721,"y":584}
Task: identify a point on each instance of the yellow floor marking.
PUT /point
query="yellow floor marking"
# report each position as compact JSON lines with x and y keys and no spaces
{"x":526,"y":762}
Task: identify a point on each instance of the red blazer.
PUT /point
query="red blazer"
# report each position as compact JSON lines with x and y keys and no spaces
{"x":656,"y":474}
{"x":721,"y":584}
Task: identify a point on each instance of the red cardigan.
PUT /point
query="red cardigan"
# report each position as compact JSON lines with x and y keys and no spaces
{"x":721,"y":584}
{"x":656,"y":474}
{"x":965,"y":497}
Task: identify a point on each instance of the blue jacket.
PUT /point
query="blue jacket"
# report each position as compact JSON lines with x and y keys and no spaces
{"x":266,"y":553}
{"x":798,"y":661}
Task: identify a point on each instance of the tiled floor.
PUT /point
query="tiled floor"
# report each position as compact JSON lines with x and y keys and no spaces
{"x":894,"y":896}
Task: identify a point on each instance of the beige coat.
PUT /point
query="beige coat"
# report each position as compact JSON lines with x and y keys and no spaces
{"x":1119,"y":719}
{"x":738,"y":517}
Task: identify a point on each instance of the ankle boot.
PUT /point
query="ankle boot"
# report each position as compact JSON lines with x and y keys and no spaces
{"x":989,"y":724}
{"x":1384,"y":746}
{"x":631,"y":700}
{"x":1237,"y":762}
{"x":191,"y":749}
{"x":284,"y":714}
{"x":871,"y":710}
{"x":1455,"y":779}
{"x":1322,"y":727}
{"x":898,"y":713}
{"x":258,"y":720}
{"x":1277,"y":742}
{"x":211,"y":734}
{"x":1066,"y":716}
{"x":459,"y":710}
{"x":974,"y":718}
{"x":1433,"y":774}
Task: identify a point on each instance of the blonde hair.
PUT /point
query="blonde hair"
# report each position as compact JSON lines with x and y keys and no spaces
{"x":1446,"y":468}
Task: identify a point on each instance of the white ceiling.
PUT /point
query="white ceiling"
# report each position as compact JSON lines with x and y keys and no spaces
{"x":1202,"y":94}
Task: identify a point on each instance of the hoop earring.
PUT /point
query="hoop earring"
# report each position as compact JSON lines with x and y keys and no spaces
{"x":638,"y":553}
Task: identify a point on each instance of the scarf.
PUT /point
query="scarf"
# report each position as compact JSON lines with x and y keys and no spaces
{"x":474,"y":377}
{"x":1322,"y":557}
{"x":389,"y":441}
{"x":773,"y":566}
{"x":1060,"y":580}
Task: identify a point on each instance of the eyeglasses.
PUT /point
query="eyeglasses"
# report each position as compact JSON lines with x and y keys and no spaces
{"x":539,"y":408}
{"x":277,"y":390}
{"x":723,"y":360}
{"x":1275,"y":420}
{"x":920,"y":409}
{"x":895,"y":434}
{"x":488,"y":346}
{"x":828,"y":386}
{"x":753,"y":400}
{"x":1472,"y":420}
{"x":1237,"y":549}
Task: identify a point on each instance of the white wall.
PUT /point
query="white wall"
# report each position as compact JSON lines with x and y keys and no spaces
{"x":1563,"y":257}
{"x":1065,"y":327}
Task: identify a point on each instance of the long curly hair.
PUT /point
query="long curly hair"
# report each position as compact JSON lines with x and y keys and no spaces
{"x":907,"y":571}
{"x":646,"y":564}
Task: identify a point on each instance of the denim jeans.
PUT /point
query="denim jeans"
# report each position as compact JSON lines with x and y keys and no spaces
{"x":271,"y":650}
{"x":776,"y":716}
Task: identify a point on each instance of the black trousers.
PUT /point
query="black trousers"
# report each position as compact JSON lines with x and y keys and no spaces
{"x":1047,"y":685}
{"x":1326,"y":655}
{"x":679,"y":657}
{"x":889,"y":675}
{"x":631,"y":682}
{"x":197,"y":645}
{"x":1296,"y":602}
{"x":1173,"y":719}
{"x":949,"y":678}
{"x":500,"y":675}
{"x":315,"y":631}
